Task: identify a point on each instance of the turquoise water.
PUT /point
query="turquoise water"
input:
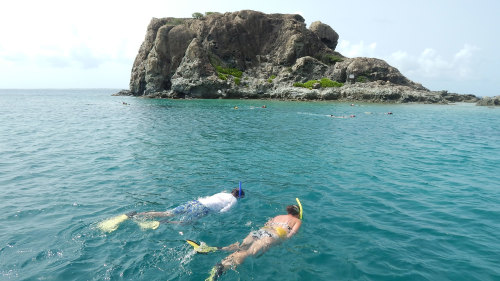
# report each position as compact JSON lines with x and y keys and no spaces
{"x":409,"y":196}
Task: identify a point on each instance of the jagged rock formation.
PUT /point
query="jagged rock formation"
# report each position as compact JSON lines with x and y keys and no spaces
{"x":325,"y":33}
{"x":249,"y":54}
{"x":489,"y":101}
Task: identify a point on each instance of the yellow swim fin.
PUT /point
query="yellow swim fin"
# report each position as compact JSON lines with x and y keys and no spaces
{"x":215,"y":272}
{"x":148,"y":224}
{"x":192,"y":243}
{"x":202,"y":248}
{"x":112,"y":224}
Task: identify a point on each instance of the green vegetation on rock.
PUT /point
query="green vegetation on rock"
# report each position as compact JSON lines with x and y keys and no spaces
{"x":362,"y":79}
{"x":309,"y":84}
{"x":229,"y":71}
{"x":270,"y":79}
{"x":224,"y":72}
{"x":327,"y":83}
{"x":197,"y":15}
{"x":324,"y":83}
{"x":331,"y":59}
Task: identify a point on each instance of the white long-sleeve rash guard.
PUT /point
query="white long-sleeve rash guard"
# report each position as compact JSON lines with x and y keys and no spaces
{"x":220,"y":202}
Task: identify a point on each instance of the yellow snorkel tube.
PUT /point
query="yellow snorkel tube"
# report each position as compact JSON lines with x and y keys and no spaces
{"x":300,"y":208}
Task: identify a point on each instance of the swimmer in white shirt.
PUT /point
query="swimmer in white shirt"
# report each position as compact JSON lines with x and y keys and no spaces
{"x":217,"y":203}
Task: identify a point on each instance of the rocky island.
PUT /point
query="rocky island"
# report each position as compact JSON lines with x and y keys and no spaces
{"x":249,"y":54}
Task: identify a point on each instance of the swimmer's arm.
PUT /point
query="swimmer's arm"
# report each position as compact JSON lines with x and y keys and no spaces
{"x":295,"y":229}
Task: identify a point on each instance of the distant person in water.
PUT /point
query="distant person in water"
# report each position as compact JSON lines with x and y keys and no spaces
{"x":217,"y":203}
{"x":333,"y":116}
{"x":259,"y":241}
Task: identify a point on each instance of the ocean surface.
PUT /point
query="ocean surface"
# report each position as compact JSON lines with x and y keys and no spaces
{"x":413,"y":195}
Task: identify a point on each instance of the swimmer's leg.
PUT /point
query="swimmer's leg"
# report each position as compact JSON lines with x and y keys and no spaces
{"x":248,"y":241}
{"x":234,"y":259}
{"x":238,"y":257}
{"x":182,"y":209}
{"x":186,"y":208}
{"x":173,"y":222}
{"x":155,"y":214}
{"x":231,"y":248}
{"x":148,"y":224}
{"x":237,"y":246}
{"x":262,"y":245}
{"x":144,"y":224}
{"x":230,"y":261}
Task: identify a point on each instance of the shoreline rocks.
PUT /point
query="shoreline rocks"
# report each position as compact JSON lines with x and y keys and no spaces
{"x":489,"y":101}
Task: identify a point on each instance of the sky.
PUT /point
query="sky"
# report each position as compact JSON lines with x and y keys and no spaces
{"x":442,"y":44}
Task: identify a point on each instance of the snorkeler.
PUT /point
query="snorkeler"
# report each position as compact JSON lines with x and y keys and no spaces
{"x":217,"y":203}
{"x":350,"y":116}
{"x":259,"y":241}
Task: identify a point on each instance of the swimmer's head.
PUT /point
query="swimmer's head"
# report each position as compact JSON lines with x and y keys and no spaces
{"x":236,"y":193}
{"x":293,"y":210}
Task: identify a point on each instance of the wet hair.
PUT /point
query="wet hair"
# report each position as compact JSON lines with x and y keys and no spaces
{"x":293,"y":210}
{"x":236,"y":192}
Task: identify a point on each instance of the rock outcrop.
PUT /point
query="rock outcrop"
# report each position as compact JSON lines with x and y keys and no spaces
{"x":249,"y":54}
{"x":325,"y":33}
{"x":489,"y":101}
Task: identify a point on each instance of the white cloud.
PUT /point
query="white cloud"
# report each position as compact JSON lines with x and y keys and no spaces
{"x":430,"y":64}
{"x":356,"y":50}
{"x":465,"y":60}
